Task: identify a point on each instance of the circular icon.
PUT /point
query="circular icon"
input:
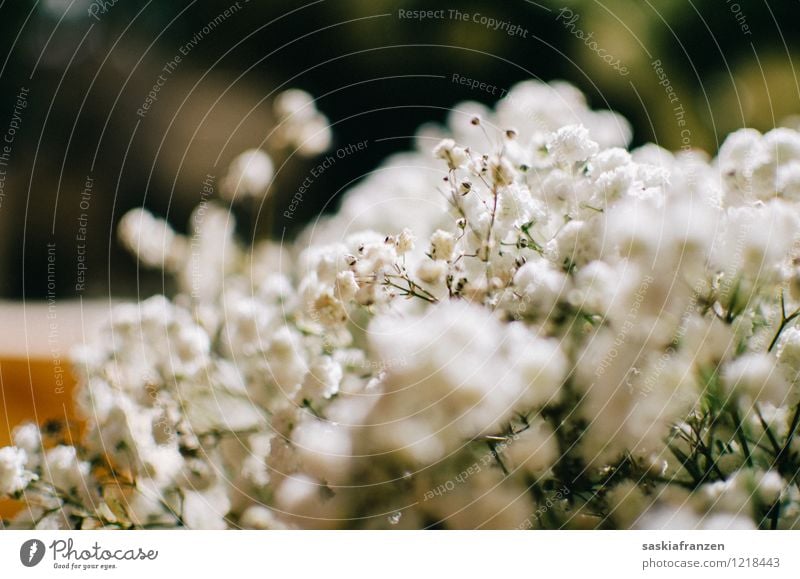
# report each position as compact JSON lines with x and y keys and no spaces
{"x":32,"y":552}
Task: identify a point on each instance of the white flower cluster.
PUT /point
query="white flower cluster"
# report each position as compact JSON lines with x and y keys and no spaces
{"x":522,"y":324}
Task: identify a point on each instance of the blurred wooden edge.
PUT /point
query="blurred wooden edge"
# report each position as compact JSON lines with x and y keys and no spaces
{"x":36,"y":380}
{"x":33,"y":330}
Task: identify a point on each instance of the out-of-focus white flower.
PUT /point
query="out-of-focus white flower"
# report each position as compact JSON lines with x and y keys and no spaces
{"x":13,"y":476}
{"x":324,"y":449}
{"x":211,"y":251}
{"x":535,"y":450}
{"x":501,"y":172}
{"x":442,"y":245}
{"x":728,"y":522}
{"x":540,"y":286}
{"x":323,"y":379}
{"x":789,"y":351}
{"x":206,"y":510}
{"x":260,"y":518}
{"x":27,"y":437}
{"x":405,"y":241}
{"x":756,"y":376}
{"x":249,"y":175}
{"x":64,"y":470}
{"x":294,"y":102}
{"x":769,"y":486}
{"x":300,"y":124}
{"x":453,"y":155}
{"x":150,"y":239}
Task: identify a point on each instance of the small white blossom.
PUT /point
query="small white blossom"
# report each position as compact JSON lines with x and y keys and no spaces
{"x":572,"y":144}
{"x":13,"y":476}
{"x":454,"y":156}
{"x":756,"y":376}
{"x":300,"y":124}
{"x":28,"y":438}
{"x":405,"y":241}
{"x":249,"y":175}
{"x":443,"y":244}
{"x":151,"y":239}
{"x":64,"y":470}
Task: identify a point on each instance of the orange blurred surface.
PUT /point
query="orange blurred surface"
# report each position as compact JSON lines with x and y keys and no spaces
{"x":32,"y":390}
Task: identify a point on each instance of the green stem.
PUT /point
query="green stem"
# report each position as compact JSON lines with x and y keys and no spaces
{"x":740,"y":435}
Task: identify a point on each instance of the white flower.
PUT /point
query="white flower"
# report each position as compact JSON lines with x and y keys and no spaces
{"x":64,"y":470}
{"x":442,"y":245}
{"x":346,"y":285}
{"x":576,"y":243}
{"x":301,"y":125}
{"x":432,"y":272}
{"x":328,"y":310}
{"x":728,"y":522}
{"x":575,"y":308}
{"x":28,"y":438}
{"x":788,"y":181}
{"x":212,"y":252}
{"x":188,"y":350}
{"x":249,"y":175}
{"x":788,"y":351}
{"x":610,"y":160}
{"x":206,"y":510}
{"x":13,"y":476}
{"x":516,"y":206}
{"x":454,"y":156}
{"x":294,"y":102}
{"x":542,"y":366}
{"x":323,"y":379}
{"x":769,"y":486}
{"x":540,"y":286}
{"x":501,"y":172}
{"x":405,"y":241}
{"x":756,"y":239}
{"x":456,"y":353}
{"x":756,"y":376}
{"x":571,"y":144}
{"x":151,"y":239}
{"x":261,"y":518}
{"x":324,"y":449}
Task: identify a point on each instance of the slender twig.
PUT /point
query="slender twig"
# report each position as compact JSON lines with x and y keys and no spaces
{"x":413,"y":289}
{"x":495,"y":195}
{"x":785,"y":321}
{"x":741,"y":436}
{"x":493,"y":448}
{"x":772,"y":440}
{"x":775,"y":512}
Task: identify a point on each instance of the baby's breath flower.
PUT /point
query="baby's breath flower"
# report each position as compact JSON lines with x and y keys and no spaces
{"x":442,"y":245}
{"x":448,"y":151}
{"x":578,"y":312}
{"x":249,"y":175}
{"x":301,"y":125}
{"x":13,"y":476}
{"x":151,"y":239}
{"x":571,"y":144}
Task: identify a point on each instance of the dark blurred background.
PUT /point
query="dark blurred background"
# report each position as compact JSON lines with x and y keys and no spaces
{"x":74,"y":73}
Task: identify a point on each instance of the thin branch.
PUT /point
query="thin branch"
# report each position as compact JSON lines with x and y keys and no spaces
{"x":785,"y":321}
